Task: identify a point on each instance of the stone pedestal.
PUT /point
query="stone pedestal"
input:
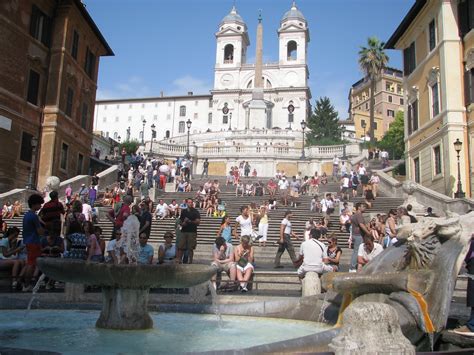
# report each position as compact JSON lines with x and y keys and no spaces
{"x":124,"y":309}
{"x":73,"y":292}
{"x":311,"y":284}
{"x":169,"y":187}
{"x":371,"y":328}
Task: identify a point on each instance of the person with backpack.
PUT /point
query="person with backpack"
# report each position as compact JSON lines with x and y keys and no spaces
{"x":355,"y":184}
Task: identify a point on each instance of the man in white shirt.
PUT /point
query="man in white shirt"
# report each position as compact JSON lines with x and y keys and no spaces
{"x":223,"y":259}
{"x":367,"y":251}
{"x":87,"y":211}
{"x":313,"y":256}
{"x":283,"y":185}
{"x":161,"y":210}
{"x":361,"y":170}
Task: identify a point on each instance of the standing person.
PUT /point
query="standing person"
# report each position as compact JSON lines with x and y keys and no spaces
{"x":83,"y":192}
{"x":284,"y":242}
{"x":143,"y":190}
{"x":283,"y":186}
{"x":335,"y":167}
{"x":124,"y":155}
{"x":295,"y":186}
{"x":263,"y":226}
{"x":374,"y":182}
{"x":205,"y":168}
{"x":52,"y":210}
{"x":68,"y":193}
{"x":9,"y":251}
{"x":359,"y":228}
{"x":145,"y":219}
{"x":95,"y":181}
{"x":247,"y":169}
{"x":189,"y":220}
{"x":32,"y":231}
{"x":118,"y":218}
{"x":244,"y":221}
{"x":468,"y":329}
{"x":92,"y":195}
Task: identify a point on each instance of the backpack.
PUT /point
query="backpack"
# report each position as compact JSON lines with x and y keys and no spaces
{"x":355,"y":180}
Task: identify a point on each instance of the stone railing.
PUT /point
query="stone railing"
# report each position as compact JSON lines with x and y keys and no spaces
{"x":423,"y":195}
{"x":253,"y":151}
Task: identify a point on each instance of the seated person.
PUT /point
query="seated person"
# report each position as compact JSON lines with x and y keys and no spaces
{"x":334,"y":253}
{"x":367,"y":251}
{"x":52,"y":246}
{"x":244,"y":256}
{"x":309,"y":226}
{"x":313,"y":256}
{"x":239,"y":189}
{"x":17,"y":209}
{"x":7,"y":210}
{"x":113,"y":250}
{"x":108,"y":197}
{"x":223,"y":260}
{"x":322,"y":226}
{"x":161,"y":211}
{"x":259,"y":188}
{"x":221,"y":209}
{"x":145,"y":251}
{"x":271,"y":187}
{"x":167,"y":250}
{"x":9,"y":251}
{"x":345,"y":221}
{"x":324,"y":179}
{"x":180,"y":185}
{"x":249,"y":189}
{"x":173,"y":209}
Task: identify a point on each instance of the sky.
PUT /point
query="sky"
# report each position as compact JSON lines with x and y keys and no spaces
{"x":169,"y":45}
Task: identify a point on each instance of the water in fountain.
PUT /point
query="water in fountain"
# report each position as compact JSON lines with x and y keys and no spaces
{"x":215,"y":304}
{"x":129,"y":241}
{"x":35,"y":290}
{"x":323,"y":309}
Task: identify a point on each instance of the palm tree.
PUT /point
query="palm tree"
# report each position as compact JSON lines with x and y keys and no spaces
{"x":372,"y":60}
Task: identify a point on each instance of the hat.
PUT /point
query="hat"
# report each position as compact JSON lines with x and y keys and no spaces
{"x":83,"y":185}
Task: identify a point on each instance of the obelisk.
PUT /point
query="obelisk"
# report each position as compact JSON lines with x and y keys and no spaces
{"x":257,"y":108}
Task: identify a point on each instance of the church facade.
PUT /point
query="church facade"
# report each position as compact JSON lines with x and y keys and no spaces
{"x":285,"y":101}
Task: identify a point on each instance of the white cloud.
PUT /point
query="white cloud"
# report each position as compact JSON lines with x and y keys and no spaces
{"x":131,"y":88}
{"x":186,"y":83}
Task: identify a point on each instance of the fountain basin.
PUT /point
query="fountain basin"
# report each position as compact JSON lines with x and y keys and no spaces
{"x":125,"y":276}
{"x":125,"y":287}
{"x":69,"y":332}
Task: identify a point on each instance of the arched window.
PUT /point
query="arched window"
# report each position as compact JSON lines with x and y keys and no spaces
{"x":291,"y":50}
{"x":268,"y":84}
{"x":229,"y":53}
{"x":250,"y":84}
{"x":181,"y":126}
{"x":182,"y":111}
{"x":167,"y":134}
{"x":209,"y":118}
{"x":115,"y":135}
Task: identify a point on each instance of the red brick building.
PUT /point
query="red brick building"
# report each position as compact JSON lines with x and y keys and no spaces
{"x":49,"y":62}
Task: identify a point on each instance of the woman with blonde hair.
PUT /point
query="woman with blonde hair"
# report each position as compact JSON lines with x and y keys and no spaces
{"x":244,"y":258}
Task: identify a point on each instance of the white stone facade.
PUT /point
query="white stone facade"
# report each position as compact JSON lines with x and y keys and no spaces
{"x":285,"y":83}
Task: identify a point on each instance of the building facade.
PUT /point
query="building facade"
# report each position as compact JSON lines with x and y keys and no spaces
{"x":388,"y":100}
{"x":285,"y":85}
{"x":437,"y":40}
{"x":48,"y":78}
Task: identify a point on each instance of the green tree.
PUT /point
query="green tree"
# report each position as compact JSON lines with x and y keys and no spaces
{"x":393,"y":141}
{"x":130,"y":146}
{"x":372,"y":61}
{"x":323,"y":125}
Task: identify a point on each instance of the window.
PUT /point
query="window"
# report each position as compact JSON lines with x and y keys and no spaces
{"x":69,"y":101}
{"x":401,"y":101}
{"x":33,"y":87}
{"x":182,"y":111}
{"x":26,"y":152}
{"x":366,"y":105}
{"x":399,"y":89}
{"x":413,"y":117}
{"x":416,"y":169}
{"x":225,"y":119}
{"x":155,"y":117}
{"x":375,"y":126}
{"x":466,"y":16}
{"x":228,"y":54}
{"x":129,"y":118}
{"x":209,"y":117}
{"x":432,"y":34}
{"x":75,"y":44}
{"x":435,"y":99}
{"x":40,"y":26}
{"x":181,"y":127}
{"x":390,"y":113}
{"x":388,"y":86}
{"x":469,"y":86}
{"x":168,"y":116}
{"x":167,"y":134}
{"x":80,"y":163}
{"x":84,"y":116}
{"x":291,"y":50}
{"x":64,"y":153}
{"x":89,"y":65}
{"x":210,"y":103}
{"x":195,"y":116}
{"x":409,"y":59}
{"x":104,"y":119}
{"x":437,"y":160}
{"x":116,"y":119}
{"x":390,"y":99}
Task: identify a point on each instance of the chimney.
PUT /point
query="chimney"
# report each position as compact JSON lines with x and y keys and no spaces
{"x":190,"y":93}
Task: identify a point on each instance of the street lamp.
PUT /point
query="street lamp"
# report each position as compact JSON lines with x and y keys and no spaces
{"x":188,"y":125}
{"x":343,"y":130}
{"x":153,"y":135}
{"x":459,"y":193}
{"x":230,"y":121}
{"x":303,"y":127}
{"x":119,"y":138}
{"x":143,"y":131}
{"x":364,"y":125}
{"x":34,"y":144}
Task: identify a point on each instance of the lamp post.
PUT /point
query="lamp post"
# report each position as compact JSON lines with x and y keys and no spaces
{"x":153,"y":135}
{"x":119,"y":138}
{"x":459,"y":193}
{"x":34,"y":145}
{"x":230,"y":121}
{"x":143,"y":131}
{"x":303,"y":127}
{"x":343,"y":130}
{"x":364,"y":125}
{"x":188,"y":125}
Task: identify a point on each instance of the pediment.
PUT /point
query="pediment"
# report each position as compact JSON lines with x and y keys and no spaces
{"x":292,"y":27}
{"x":229,"y":31}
